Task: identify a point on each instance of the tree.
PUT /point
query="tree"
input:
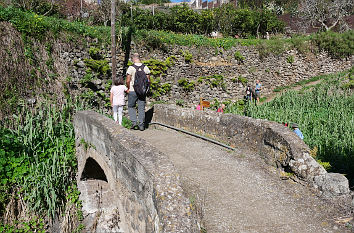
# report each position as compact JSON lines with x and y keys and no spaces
{"x":101,"y":12}
{"x":326,"y":13}
{"x":42,"y":7}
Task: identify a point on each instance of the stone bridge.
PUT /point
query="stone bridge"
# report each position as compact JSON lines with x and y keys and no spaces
{"x":161,"y":180}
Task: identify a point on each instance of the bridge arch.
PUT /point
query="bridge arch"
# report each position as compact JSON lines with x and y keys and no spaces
{"x":92,"y":170}
{"x":139,"y":177}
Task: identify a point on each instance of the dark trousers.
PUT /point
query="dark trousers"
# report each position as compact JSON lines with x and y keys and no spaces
{"x":132,"y":101}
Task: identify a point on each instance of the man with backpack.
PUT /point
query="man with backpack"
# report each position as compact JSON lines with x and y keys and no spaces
{"x":138,"y":81}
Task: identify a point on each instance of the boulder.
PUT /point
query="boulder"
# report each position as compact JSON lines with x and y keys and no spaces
{"x":332,"y":184}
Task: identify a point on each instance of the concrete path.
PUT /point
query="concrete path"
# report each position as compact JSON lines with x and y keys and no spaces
{"x":237,"y":192}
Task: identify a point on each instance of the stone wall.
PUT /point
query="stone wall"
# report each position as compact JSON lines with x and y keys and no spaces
{"x":277,"y":144}
{"x":141,"y":178}
{"x":273,"y":70}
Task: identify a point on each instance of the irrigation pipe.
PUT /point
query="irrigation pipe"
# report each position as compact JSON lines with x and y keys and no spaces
{"x":193,"y":134}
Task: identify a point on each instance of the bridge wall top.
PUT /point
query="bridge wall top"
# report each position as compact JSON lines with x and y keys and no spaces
{"x":277,"y":144}
{"x":135,"y":170}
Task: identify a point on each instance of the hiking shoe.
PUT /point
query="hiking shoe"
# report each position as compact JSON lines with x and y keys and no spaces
{"x":135,"y":127}
{"x":141,"y":128}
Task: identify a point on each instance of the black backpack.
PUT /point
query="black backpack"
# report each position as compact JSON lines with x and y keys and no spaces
{"x":141,"y":81}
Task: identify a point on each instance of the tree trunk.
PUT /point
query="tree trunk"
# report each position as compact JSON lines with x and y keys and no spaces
{"x":113,"y":37}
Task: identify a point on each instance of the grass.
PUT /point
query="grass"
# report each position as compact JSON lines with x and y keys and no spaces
{"x":325,"y":114}
{"x":37,"y":160}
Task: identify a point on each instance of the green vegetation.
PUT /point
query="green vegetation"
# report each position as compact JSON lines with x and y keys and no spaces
{"x":158,"y":88}
{"x":159,"y":68}
{"x":242,"y":80}
{"x":325,"y":115}
{"x":290,"y":59}
{"x":37,"y":162}
{"x":215,"y":80}
{"x":36,"y":26}
{"x":31,"y":24}
{"x":188,"y":56}
{"x":99,"y":66}
{"x":337,"y":45}
{"x":186,"y":84}
{"x":226,"y":19}
{"x":349,"y":83}
{"x":88,"y":77}
{"x":239,"y":57}
{"x":188,"y":39}
{"x":180,"y":102}
{"x":276,"y":47}
{"x":95,"y":53}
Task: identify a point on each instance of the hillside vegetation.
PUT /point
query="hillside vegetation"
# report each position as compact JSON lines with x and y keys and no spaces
{"x":325,"y":114}
{"x":37,"y":169}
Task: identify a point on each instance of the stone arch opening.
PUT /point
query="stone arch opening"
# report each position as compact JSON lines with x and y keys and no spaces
{"x":93,"y":171}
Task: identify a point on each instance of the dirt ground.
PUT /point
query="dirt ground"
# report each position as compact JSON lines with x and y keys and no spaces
{"x":235,"y":191}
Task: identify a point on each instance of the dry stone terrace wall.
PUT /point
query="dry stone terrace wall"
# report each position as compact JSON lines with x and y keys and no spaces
{"x":277,"y":144}
{"x":63,"y":67}
{"x":142,"y":179}
{"x":273,"y":71}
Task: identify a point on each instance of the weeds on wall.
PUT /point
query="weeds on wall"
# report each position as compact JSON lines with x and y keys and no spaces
{"x":239,"y":57}
{"x":99,"y":66}
{"x":188,"y":56}
{"x":290,"y":59}
{"x":213,"y":81}
{"x":242,"y":80}
{"x":186,"y":84}
{"x":158,"y":89}
{"x":158,"y":70}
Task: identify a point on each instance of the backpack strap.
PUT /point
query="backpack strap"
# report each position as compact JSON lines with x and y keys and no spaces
{"x":137,"y":67}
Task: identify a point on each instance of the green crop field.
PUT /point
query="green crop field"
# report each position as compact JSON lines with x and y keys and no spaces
{"x":325,"y":114}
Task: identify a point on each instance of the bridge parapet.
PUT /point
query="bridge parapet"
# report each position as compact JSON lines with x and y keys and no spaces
{"x":277,"y":144}
{"x":142,"y":179}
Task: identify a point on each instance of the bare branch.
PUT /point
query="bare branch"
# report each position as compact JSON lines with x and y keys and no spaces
{"x":324,"y":12}
{"x":51,"y":7}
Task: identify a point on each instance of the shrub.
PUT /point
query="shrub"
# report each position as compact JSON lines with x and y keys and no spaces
{"x":301,"y":43}
{"x":152,"y":41}
{"x":239,"y":57}
{"x":31,"y":24}
{"x":227,"y":19}
{"x":157,"y":88}
{"x":242,"y":80}
{"x":157,"y":67}
{"x":99,"y":66}
{"x":267,"y":47}
{"x":188,"y":56}
{"x":186,"y":84}
{"x":215,"y":80}
{"x":338,"y":45}
{"x":88,"y":77}
{"x":95,"y":53}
